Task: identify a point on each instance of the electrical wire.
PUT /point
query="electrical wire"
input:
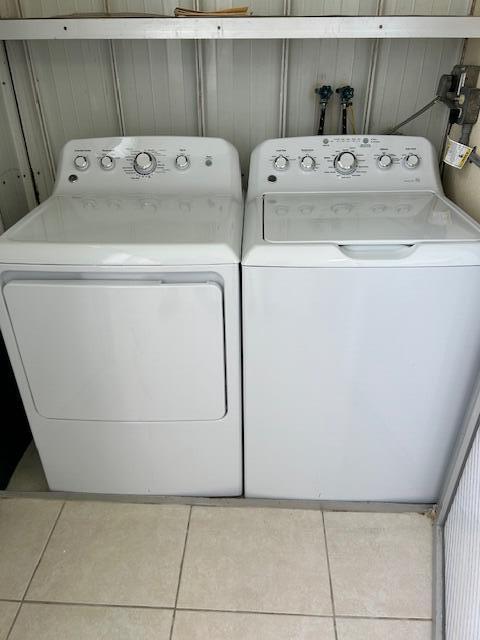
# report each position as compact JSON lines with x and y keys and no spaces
{"x":414,"y":116}
{"x":445,"y":142}
{"x":465,"y":134}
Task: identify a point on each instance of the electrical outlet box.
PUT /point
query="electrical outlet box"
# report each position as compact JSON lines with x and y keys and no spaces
{"x":465,"y":78}
{"x":465,"y":75}
{"x":469,"y":101}
{"x":459,"y":92}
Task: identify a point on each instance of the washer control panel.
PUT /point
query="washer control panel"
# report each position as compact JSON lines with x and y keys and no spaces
{"x":344,"y":163}
{"x":154,"y":163}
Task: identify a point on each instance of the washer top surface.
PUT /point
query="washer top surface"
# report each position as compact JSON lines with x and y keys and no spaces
{"x":365,"y":218}
{"x":136,"y":201}
{"x":353,"y":200}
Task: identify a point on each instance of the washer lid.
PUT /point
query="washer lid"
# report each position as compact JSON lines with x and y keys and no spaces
{"x":133,"y":230}
{"x":382,"y":218}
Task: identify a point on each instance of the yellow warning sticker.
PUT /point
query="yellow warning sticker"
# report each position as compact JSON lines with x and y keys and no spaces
{"x":456,"y":154}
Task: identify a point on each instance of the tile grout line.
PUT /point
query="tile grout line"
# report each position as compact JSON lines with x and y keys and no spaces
{"x":21,"y":602}
{"x":101,"y":605}
{"x":44,"y":550}
{"x":105,"y":605}
{"x":329,"y":577}
{"x":180,"y":572}
{"x":14,"y":620}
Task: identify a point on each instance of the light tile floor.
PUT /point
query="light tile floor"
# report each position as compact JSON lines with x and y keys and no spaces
{"x":88,"y":570}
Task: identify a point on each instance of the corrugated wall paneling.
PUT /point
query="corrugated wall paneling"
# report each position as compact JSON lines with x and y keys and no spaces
{"x":244,"y":91}
{"x":17,"y":194}
{"x":462,"y":554}
{"x":74,"y":80}
{"x":156,"y":79}
{"x":242,"y":84}
{"x":39,"y":154}
{"x":408,"y":71}
{"x":336,"y":63}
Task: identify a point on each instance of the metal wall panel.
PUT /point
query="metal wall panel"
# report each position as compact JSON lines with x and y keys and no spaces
{"x":27,"y":103}
{"x":8,"y":9}
{"x":31,"y":117}
{"x":427,"y":7}
{"x":242,"y":82}
{"x":244,"y":91}
{"x":75,"y":81}
{"x":408,"y":71}
{"x":332,"y":62}
{"x":462,"y":554}
{"x":156,"y":79}
{"x":16,"y":186}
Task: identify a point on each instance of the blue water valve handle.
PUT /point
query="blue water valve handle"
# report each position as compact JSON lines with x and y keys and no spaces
{"x":346,"y":94}
{"x":324,"y":92}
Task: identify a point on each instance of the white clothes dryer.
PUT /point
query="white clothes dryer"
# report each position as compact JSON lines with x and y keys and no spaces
{"x":120,"y":309}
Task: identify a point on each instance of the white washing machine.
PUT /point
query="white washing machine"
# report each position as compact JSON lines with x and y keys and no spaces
{"x":120,"y":309}
{"x":361,"y":307}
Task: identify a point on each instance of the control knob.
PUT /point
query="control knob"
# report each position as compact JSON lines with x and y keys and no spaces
{"x":384,"y":161}
{"x":412,"y":161}
{"x":307,"y":163}
{"x":345,"y":163}
{"x":280,"y":163}
{"x":144,"y":163}
{"x":107,"y":162}
{"x":182,"y":162}
{"x":81,"y":163}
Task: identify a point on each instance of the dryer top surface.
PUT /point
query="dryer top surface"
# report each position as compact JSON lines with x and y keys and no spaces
{"x":155,"y":200}
{"x":88,"y":229}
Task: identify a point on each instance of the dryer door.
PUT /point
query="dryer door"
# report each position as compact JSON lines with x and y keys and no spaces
{"x":121,"y":350}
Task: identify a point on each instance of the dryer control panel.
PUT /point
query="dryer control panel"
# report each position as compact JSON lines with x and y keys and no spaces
{"x":343,"y":163}
{"x":149,"y":164}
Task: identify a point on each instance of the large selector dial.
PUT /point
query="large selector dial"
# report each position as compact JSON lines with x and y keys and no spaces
{"x":345,"y":163}
{"x":144,"y":163}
